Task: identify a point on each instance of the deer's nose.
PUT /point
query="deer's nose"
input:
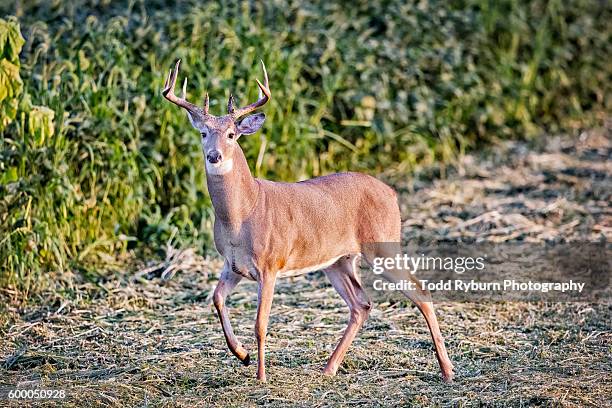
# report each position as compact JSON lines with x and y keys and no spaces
{"x":214,"y":156}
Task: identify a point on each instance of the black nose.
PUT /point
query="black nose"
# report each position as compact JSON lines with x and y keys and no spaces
{"x":214,"y":156}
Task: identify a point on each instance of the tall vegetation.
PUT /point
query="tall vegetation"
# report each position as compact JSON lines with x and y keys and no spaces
{"x":102,"y":164}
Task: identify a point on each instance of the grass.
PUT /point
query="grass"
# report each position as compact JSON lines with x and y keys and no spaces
{"x":99,"y":177}
{"x":136,"y":339}
{"x":95,"y":164}
{"x":162,"y":345}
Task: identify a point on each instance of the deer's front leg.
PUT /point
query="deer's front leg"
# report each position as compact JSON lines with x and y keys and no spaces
{"x":227,"y":282}
{"x":264,"y":304}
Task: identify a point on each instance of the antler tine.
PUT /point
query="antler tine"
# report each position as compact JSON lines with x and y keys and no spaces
{"x":167,"y":80}
{"x":263,"y":66}
{"x":230,"y":104}
{"x":205,"y":109}
{"x":264,"y":97}
{"x":265,"y":80}
{"x":168,"y":91}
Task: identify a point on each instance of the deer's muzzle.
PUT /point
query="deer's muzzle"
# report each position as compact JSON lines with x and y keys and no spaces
{"x":214,"y":156}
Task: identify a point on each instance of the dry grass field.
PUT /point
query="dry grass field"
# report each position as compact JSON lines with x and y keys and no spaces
{"x":134,"y":339}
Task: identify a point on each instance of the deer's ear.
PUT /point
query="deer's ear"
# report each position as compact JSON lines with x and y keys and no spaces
{"x":250,"y":124}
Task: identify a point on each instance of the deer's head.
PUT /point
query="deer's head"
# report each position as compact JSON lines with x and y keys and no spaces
{"x":220,"y":133}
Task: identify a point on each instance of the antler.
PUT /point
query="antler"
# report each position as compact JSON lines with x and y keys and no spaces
{"x":264,"y":96}
{"x":168,"y":92}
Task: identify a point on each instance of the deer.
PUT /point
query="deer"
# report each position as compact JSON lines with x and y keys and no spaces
{"x":266,"y":230}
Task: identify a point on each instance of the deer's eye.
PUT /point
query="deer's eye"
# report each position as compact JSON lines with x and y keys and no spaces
{"x":231,"y":135}
{"x":203,"y":135}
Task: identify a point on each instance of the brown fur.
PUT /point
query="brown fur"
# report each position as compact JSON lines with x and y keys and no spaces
{"x":277,"y":226}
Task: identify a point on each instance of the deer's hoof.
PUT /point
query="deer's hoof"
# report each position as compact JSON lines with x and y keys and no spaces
{"x":329,"y":372}
{"x":448,"y":377}
{"x":247,"y":360}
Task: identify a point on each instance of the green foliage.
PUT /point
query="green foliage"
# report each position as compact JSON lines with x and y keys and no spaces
{"x":11,"y":85}
{"x":380,"y":86}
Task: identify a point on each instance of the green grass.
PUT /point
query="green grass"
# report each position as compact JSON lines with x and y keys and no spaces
{"x":380,"y":86}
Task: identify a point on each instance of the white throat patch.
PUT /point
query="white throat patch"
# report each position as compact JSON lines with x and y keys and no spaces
{"x":221,"y":168}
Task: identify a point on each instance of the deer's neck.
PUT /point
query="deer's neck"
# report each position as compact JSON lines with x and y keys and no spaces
{"x":235,"y":193}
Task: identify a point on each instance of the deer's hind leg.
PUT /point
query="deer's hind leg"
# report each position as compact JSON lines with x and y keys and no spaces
{"x":344,"y":278}
{"x":421,"y":298}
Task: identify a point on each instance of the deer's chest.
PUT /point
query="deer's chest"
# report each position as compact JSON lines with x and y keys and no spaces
{"x":236,"y":250}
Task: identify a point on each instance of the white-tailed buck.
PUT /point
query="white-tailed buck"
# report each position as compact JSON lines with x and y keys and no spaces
{"x":265,"y":229}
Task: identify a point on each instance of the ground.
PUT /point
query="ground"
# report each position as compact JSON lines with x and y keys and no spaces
{"x":138,"y":339}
